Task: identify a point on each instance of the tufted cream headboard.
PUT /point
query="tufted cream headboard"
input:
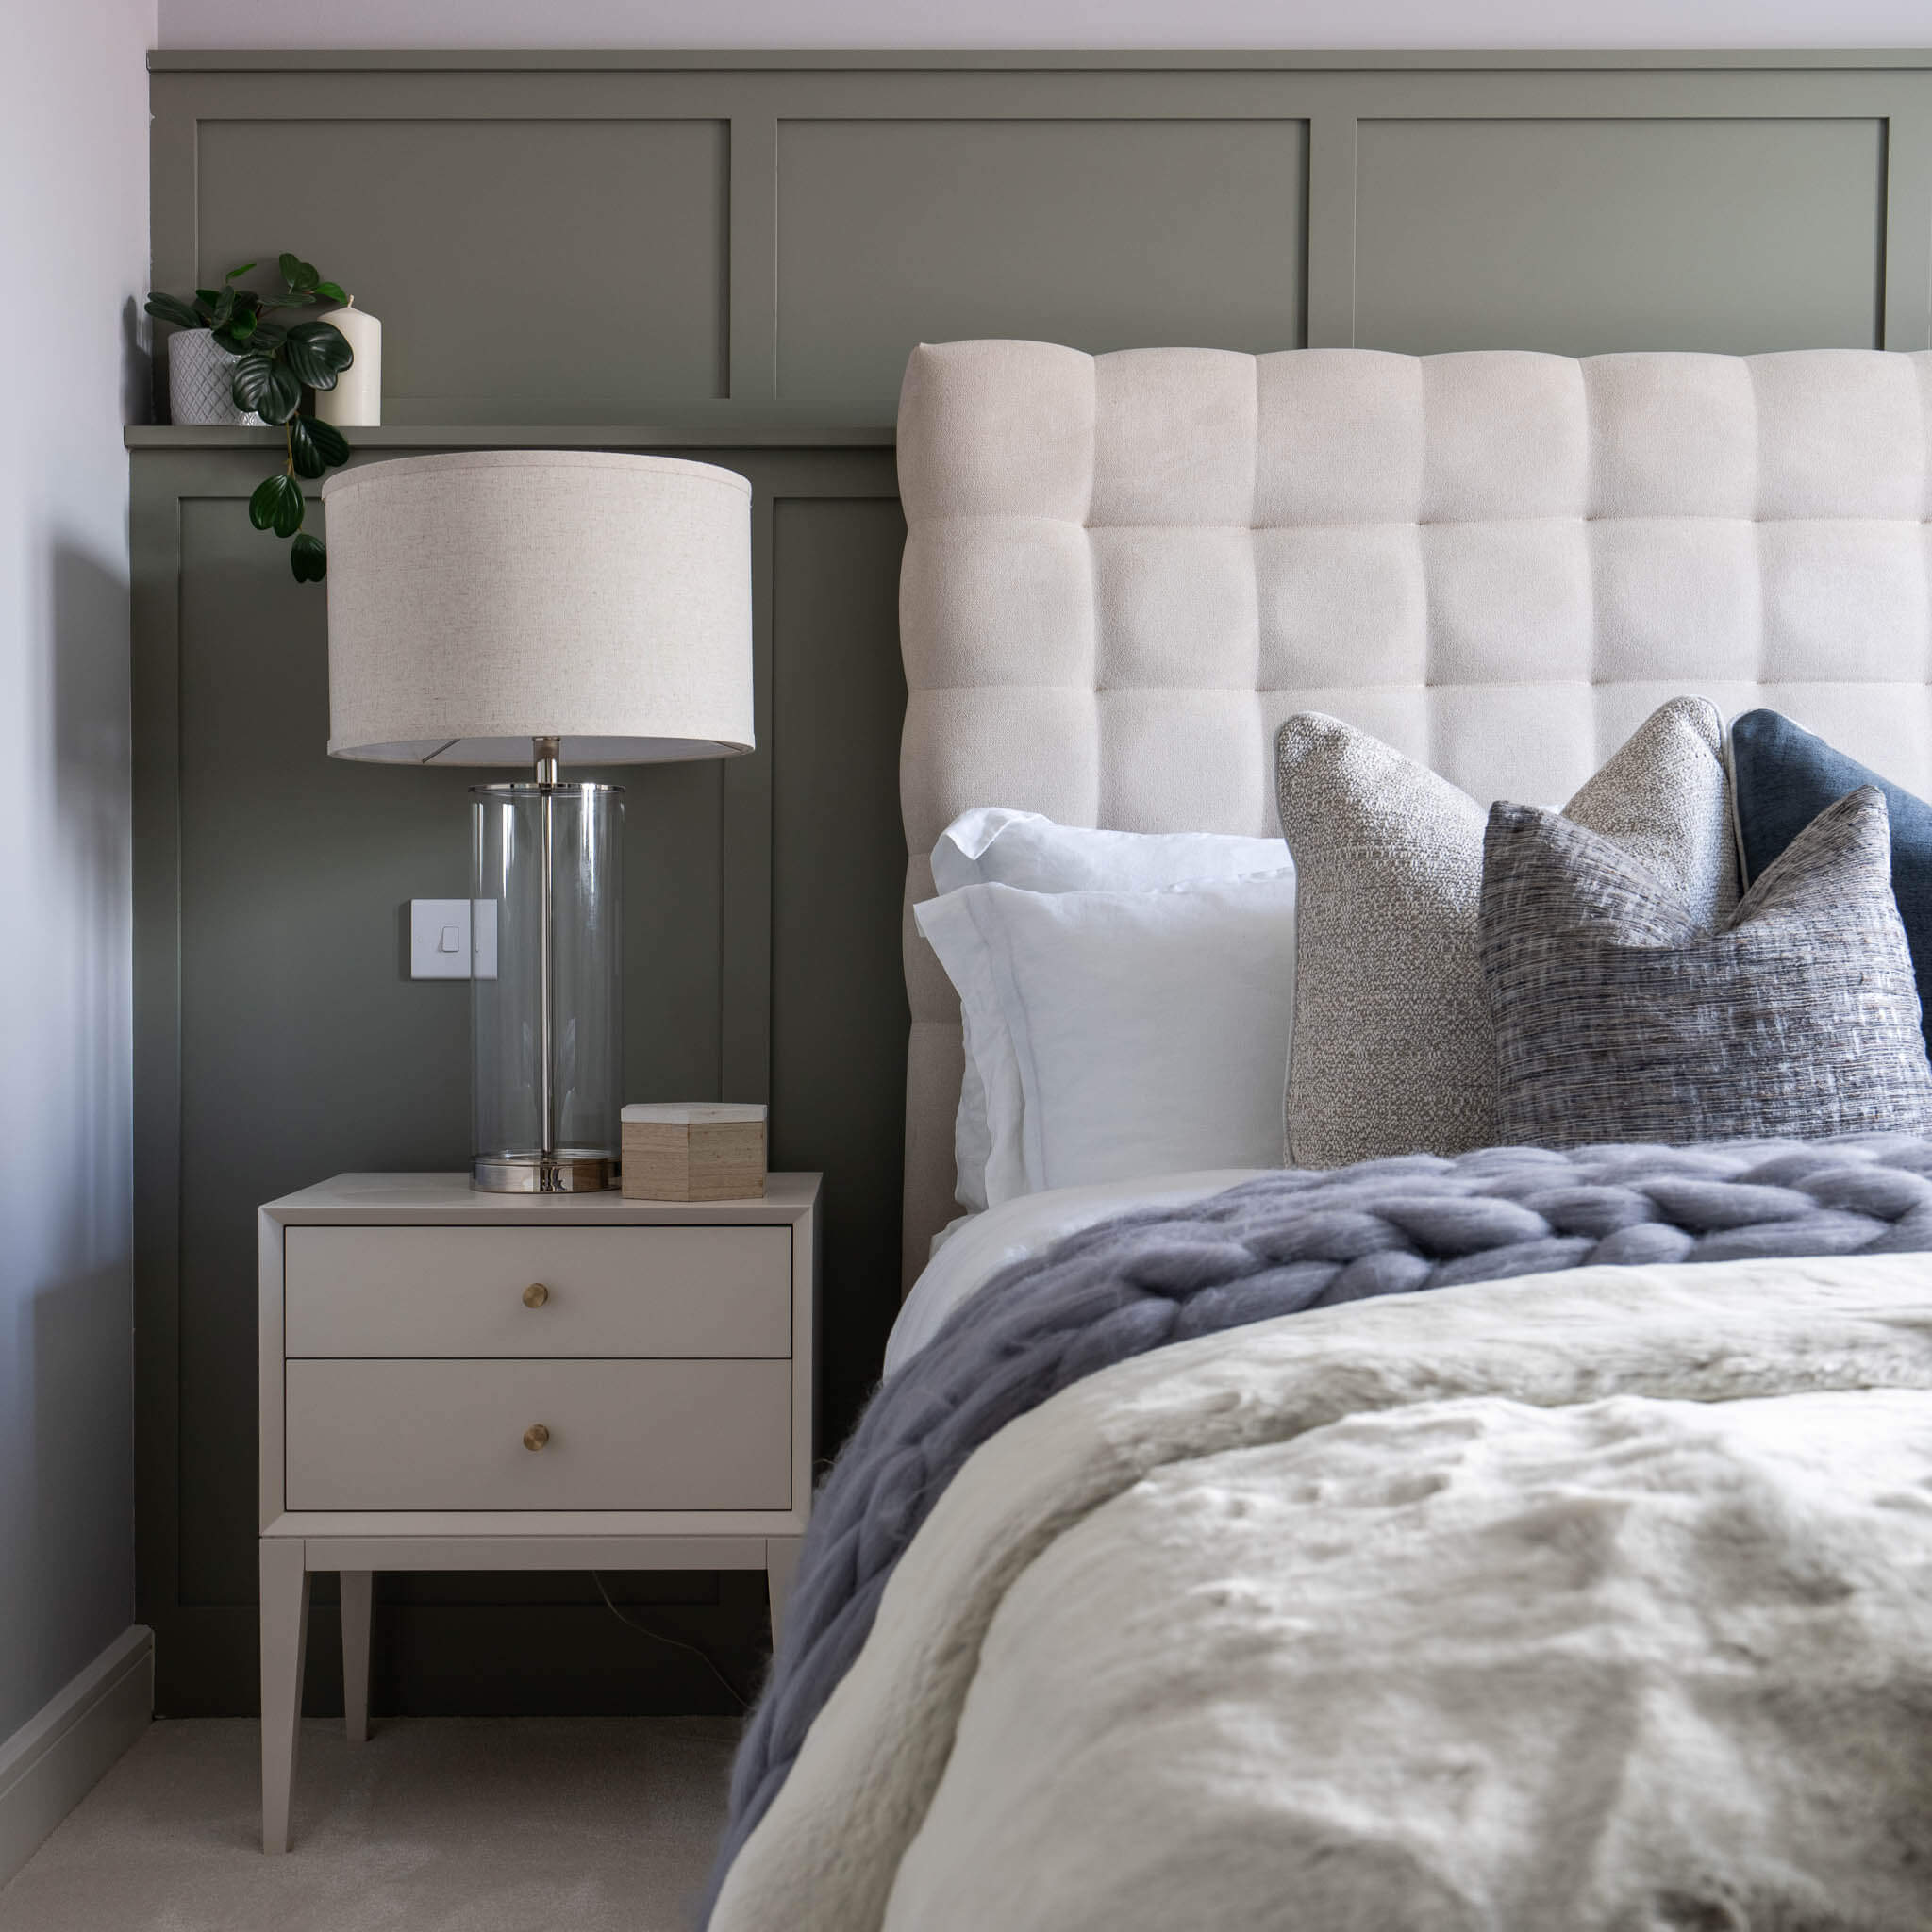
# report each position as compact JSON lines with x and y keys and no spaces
{"x":1123,"y":573}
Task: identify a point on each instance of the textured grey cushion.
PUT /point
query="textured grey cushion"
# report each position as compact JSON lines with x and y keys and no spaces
{"x":1392,"y":1050}
{"x":1618,"y":1017}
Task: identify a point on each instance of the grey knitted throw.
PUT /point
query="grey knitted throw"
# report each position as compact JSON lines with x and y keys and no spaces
{"x":1276,"y":1246}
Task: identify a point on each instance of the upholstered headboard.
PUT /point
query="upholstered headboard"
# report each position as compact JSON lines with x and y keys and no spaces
{"x":1123,"y":573}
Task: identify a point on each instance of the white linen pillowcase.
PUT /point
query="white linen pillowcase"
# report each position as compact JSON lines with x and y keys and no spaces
{"x":1126,"y":1033}
{"x":996,"y":845}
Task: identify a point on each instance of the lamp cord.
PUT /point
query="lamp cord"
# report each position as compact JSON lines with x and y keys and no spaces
{"x":698,"y":1650}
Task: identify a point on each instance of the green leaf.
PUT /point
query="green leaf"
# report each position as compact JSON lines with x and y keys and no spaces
{"x":207,"y":297}
{"x":276,"y":506}
{"x":316,"y":351}
{"x":171,"y":308}
{"x":333,"y":445}
{"x":332,"y":292}
{"x":300,"y":276}
{"x":234,"y":271}
{"x":315,"y":447}
{"x":264,"y":385}
{"x":235,"y":334}
{"x":301,"y":451}
{"x":307,"y":559}
{"x":268,"y":335}
{"x":225,"y":309}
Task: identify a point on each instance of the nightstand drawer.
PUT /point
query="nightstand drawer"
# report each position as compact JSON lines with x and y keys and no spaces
{"x":717,"y":1291}
{"x":621,"y":1435}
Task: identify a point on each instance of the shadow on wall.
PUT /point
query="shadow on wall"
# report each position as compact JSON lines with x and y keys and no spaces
{"x":69,"y":1575}
{"x":92,"y":858}
{"x":138,"y":399}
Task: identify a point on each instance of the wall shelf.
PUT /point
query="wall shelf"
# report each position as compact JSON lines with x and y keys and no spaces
{"x":822,"y":430}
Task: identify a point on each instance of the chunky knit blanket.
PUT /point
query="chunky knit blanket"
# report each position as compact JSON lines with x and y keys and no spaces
{"x":1272,"y":1247}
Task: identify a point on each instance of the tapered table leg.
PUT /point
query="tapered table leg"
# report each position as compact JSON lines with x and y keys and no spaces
{"x":781,"y":1566}
{"x":358,"y":1591}
{"x":284,"y":1642}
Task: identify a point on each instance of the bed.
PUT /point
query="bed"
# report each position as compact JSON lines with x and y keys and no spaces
{"x":1162,"y":1587}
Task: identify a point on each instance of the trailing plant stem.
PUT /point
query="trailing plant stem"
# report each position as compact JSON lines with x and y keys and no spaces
{"x":277,"y":364}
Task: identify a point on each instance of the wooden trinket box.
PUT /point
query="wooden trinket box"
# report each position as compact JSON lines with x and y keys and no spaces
{"x":701,"y":1150}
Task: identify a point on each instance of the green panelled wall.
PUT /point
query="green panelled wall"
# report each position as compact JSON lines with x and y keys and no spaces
{"x":731,"y":258}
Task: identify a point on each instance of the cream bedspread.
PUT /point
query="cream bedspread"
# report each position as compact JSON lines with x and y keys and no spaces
{"x":1595,"y":1600}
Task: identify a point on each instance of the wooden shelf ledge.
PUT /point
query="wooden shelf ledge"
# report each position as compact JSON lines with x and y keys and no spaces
{"x":824,"y":431}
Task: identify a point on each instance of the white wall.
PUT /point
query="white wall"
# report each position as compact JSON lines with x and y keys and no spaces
{"x":738,"y":24}
{"x":73,"y":263}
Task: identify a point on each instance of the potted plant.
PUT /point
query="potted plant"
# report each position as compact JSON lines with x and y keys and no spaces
{"x":268,"y":365}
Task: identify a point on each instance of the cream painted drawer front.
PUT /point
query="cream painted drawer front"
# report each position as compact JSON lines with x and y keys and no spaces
{"x":608,"y":1290}
{"x":623,"y":1435}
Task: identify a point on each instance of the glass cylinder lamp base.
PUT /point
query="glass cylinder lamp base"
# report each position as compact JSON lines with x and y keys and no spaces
{"x":567,"y":1172}
{"x":546,"y":993}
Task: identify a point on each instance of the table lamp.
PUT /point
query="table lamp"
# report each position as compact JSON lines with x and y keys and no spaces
{"x":540,"y":608}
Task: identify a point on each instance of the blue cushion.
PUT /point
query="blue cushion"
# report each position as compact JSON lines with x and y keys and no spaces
{"x":1785,"y":776}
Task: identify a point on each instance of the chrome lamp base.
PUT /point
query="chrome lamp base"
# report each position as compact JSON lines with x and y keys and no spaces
{"x":565,"y":1171}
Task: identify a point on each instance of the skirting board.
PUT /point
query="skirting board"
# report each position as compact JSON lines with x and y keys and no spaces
{"x":51,"y":1763}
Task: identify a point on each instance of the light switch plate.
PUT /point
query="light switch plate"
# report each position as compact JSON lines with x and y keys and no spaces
{"x":439,"y":938}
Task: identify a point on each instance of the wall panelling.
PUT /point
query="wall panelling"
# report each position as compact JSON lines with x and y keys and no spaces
{"x":732,"y":255}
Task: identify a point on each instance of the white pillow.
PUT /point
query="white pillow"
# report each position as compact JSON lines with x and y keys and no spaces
{"x":992,"y":844}
{"x":995,"y":844}
{"x":1121,"y":1034}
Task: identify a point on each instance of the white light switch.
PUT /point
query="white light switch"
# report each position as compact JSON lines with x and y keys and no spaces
{"x":452,"y":938}
{"x":439,"y":938}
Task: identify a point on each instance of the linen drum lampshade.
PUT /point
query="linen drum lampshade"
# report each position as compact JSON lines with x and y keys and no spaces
{"x":481,"y":600}
{"x":541,"y":607}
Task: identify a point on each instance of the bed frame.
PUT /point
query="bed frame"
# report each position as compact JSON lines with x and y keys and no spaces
{"x":1122,"y":572}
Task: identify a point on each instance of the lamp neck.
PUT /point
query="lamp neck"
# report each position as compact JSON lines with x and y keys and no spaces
{"x":546,"y":751}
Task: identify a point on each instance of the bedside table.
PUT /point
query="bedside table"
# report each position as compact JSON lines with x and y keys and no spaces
{"x":455,"y":1381}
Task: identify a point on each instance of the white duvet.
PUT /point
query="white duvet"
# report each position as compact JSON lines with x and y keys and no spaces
{"x":1598,"y":1600}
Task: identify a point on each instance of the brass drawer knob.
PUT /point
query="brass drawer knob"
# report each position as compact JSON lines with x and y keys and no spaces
{"x":536,"y":1295}
{"x":535,"y":1436}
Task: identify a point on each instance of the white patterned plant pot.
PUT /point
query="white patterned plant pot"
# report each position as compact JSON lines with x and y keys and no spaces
{"x":201,"y":376}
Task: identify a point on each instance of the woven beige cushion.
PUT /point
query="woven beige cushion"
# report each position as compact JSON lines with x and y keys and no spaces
{"x":1394,"y":1050}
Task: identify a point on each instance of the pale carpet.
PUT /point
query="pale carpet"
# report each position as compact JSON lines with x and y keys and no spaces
{"x":436,"y":1825}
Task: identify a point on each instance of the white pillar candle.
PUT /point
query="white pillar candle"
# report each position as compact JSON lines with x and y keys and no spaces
{"x":355,"y":402}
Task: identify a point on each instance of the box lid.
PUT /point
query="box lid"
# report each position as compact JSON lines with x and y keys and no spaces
{"x":694,"y":1113}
